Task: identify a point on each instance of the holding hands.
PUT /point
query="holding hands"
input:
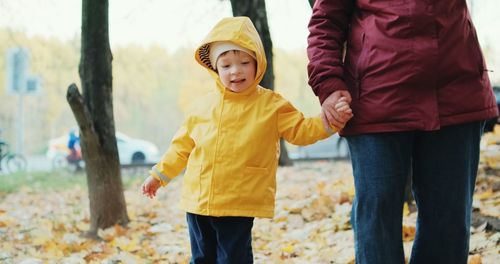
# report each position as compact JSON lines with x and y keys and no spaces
{"x":335,"y":110}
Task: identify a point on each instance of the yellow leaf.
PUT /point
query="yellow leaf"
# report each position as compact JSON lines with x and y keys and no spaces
{"x":345,"y":197}
{"x":94,"y":256}
{"x":120,"y":230}
{"x":475,"y":259}
{"x":283,"y":218}
{"x":77,"y":247}
{"x":288,"y":248}
{"x":408,"y":233}
{"x":496,"y":130}
{"x":406,"y":210}
{"x":54,"y":250}
{"x":351,"y":191}
{"x":484,"y":195}
{"x":41,"y":237}
{"x":321,"y":186}
{"x":126,"y":244}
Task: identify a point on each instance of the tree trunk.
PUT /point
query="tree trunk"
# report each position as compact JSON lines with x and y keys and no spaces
{"x":256,"y":11}
{"x":94,"y":114}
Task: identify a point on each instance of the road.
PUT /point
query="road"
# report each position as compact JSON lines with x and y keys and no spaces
{"x":38,"y":163}
{"x":42,"y":163}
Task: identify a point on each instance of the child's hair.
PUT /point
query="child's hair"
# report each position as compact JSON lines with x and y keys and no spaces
{"x":222,"y":47}
{"x":237,"y":52}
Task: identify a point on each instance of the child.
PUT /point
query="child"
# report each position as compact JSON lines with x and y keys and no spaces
{"x":229,"y":145}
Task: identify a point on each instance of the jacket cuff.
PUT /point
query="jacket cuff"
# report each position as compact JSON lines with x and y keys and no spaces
{"x":328,"y":87}
{"x":155,"y":173}
{"x":332,"y":130}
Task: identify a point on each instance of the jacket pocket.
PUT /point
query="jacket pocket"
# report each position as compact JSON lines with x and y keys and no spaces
{"x":191,"y":186}
{"x":256,"y":186}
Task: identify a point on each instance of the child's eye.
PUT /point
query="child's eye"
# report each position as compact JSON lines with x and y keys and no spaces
{"x":245,"y":62}
{"x":225,"y":66}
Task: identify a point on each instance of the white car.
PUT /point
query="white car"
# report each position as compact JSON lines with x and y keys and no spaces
{"x":134,"y":150}
{"x":130,"y":150}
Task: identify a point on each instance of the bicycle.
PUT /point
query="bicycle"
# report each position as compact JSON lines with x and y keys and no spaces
{"x":12,"y":162}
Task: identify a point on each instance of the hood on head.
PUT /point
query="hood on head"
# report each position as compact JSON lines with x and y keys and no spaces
{"x":219,"y":47}
{"x":239,"y":31}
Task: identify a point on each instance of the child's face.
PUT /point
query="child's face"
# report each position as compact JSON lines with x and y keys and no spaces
{"x":236,"y":70}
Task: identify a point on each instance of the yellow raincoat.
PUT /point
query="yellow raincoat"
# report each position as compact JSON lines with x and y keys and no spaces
{"x":229,"y":142}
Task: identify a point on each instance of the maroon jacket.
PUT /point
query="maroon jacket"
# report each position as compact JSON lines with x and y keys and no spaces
{"x":408,"y":64}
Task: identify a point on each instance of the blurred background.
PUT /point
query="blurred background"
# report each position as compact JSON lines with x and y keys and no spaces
{"x":154,"y":72}
{"x":43,"y":212}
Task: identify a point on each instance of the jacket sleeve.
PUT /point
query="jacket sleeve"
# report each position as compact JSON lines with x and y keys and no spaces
{"x":327,"y":33}
{"x":297,"y":129}
{"x":175,"y":159}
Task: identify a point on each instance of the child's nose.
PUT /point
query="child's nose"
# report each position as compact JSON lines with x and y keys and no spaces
{"x":235,"y":70}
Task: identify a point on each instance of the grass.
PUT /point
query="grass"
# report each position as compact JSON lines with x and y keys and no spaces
{"x":53,"y":181}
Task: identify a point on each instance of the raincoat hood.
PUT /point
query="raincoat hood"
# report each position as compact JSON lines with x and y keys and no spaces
{"x":239,"y":31}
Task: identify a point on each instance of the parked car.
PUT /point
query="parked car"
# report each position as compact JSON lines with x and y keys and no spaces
{"x":330,"y":148}
{"x":130,"y":150}
{"x":134,"y":150}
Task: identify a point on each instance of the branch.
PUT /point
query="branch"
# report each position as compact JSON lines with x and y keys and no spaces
{"x":80,"y":110}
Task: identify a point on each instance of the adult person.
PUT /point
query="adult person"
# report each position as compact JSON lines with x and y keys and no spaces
{"x":74,"y":155}
{"x":420,"y":94}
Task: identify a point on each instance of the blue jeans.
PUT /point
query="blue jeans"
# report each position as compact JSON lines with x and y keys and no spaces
{"x":221,"y":240}
{"x":444,"y":164}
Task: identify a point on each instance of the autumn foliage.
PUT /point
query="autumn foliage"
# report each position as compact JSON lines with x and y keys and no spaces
{"x":311,"y":223}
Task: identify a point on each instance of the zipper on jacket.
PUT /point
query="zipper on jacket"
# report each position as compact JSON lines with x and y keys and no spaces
{"x":359,"y":71}
{"x":357,"y":84}
{"x":214,"y":161}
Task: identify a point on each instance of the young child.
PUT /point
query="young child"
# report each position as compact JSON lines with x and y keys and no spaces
{"x":229,"y":145}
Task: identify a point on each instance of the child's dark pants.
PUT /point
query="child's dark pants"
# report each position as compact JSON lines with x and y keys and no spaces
{"x":220,"y":239}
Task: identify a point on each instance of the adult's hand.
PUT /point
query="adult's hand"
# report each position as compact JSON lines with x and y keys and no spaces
{"x":329,"y":113}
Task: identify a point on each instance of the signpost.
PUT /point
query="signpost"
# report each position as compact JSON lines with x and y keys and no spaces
{"x":20,"y":83}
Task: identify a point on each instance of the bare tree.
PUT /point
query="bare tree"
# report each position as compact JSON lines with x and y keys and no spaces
{"x":256,"y":11}
{"x":94,"y":114}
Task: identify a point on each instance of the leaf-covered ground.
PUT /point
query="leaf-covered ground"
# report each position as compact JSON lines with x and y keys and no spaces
{"x":311,"y":223}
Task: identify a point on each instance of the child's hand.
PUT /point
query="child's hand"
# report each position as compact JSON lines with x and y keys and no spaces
{"x":342,"y":107}
{"x":150,"y":186}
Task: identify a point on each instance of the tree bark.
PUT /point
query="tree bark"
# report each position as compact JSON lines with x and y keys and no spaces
{"x":256,"y":11}
{"x":94,"y":114}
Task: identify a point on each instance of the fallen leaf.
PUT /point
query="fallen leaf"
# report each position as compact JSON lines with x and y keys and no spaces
{"x":475,"y":259}
{"x":409,"y":233}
